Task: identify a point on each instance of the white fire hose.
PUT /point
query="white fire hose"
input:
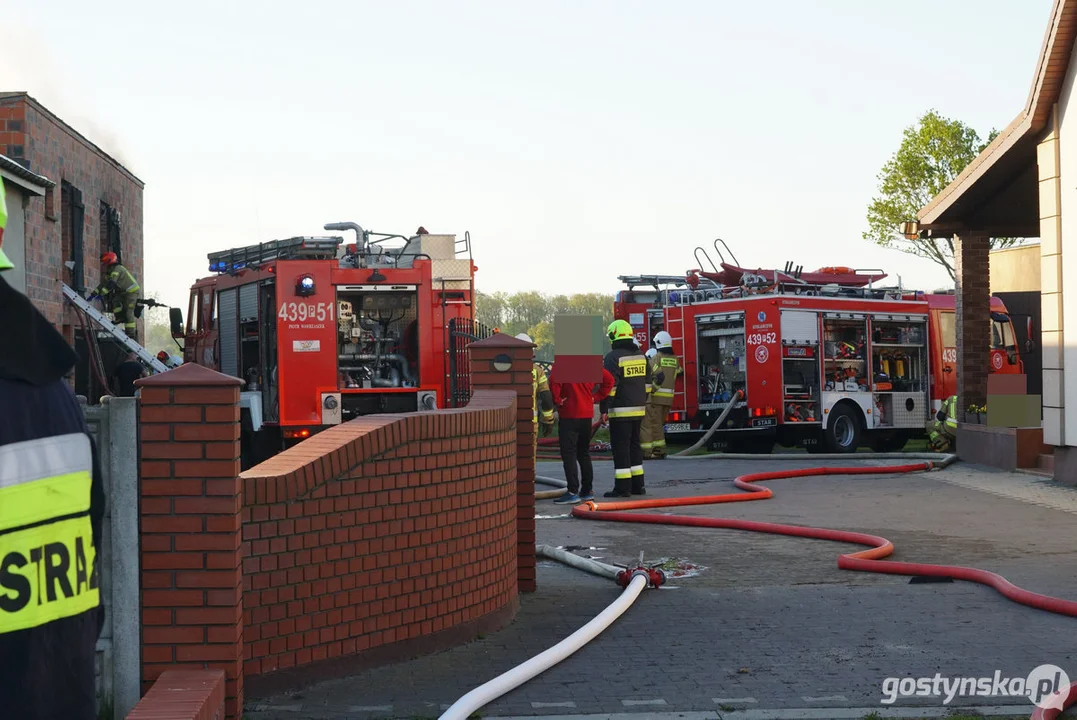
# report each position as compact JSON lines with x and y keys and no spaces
{"x":517,"y":676}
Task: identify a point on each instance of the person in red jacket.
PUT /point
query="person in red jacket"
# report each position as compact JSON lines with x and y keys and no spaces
{"x":575,"y":403}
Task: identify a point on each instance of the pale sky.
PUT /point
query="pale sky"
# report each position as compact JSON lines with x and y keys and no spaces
{"x":576,"y":141}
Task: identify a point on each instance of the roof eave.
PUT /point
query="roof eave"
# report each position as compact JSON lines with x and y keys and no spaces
{"x":1014,"y":132}
{"x":16,"y":174}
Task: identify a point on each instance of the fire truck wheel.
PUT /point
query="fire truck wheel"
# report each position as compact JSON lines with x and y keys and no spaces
{"x":843,"y":430}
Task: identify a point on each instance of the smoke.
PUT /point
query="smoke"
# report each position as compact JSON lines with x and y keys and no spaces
{"x":27,"y":66}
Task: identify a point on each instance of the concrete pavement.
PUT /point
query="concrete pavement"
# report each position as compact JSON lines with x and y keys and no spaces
{"x":771,"y":623}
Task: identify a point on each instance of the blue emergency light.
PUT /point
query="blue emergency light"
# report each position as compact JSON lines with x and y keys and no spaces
{"x":304,"y":285}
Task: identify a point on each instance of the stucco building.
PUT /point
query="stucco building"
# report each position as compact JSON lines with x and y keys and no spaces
{"x":1024,"y":184}
{"x":70,"y":202}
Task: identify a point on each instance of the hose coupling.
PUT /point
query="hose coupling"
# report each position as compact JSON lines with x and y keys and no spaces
{"x":655,"y":577}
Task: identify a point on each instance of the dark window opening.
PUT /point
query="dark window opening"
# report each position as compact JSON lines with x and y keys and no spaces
{"x":110,"y":231}
{"x":72,"y":219}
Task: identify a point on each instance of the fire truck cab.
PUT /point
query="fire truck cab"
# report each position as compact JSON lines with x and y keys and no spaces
{"x":322,"y":332}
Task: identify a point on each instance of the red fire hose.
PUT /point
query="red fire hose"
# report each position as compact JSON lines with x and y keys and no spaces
{"x":869,"y":560}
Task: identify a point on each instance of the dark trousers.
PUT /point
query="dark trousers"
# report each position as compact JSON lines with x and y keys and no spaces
{"x":575,"y":437}
{"x":627,"y":454}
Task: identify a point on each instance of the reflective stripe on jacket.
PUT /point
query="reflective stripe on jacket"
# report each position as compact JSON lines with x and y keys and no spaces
{"x":122,"y":278}
{"x":665,"y":367}
{"x":632,"y":381}
{"x":49,"y":475}
{"x":539,"y":385}
{"x":47,"y":568}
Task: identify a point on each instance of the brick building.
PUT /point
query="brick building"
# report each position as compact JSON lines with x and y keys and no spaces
{"x":1022,"y":185}
{"x":75,"y":202}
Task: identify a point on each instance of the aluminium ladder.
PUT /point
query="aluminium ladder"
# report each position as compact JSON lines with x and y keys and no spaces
{"x":115,"y":330}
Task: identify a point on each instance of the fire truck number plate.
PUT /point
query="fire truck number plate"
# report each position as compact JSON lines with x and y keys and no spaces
{"x":304,"y":312}
{"x":677,"y":427}
{"x":767,"y":338}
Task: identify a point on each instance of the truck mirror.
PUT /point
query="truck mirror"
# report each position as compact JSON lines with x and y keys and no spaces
{"x":1000,"y":317}
{"x":175,"y":316}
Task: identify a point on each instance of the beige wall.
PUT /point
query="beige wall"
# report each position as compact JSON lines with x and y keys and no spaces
{"x":1016,"y":269}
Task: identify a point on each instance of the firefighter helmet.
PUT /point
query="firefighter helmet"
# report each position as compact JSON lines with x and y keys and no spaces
{"x":620,"y":330}
{"x":662,"y":340}
{"x":525,"y":337}
{"x":651,"y":353}
{"x":109,"y":258}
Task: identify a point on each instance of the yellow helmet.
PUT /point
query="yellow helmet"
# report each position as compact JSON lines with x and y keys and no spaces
{"x":5,"y":263}
{"x":620,"y":330}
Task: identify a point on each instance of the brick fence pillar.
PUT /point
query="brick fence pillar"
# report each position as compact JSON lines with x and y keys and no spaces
{"x":488,"y":373}
{"x":973,"y":319}
{"x":190,"y":502}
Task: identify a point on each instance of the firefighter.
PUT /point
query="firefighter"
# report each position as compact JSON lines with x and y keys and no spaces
{"x":119,"y":287}
{"x":665,"y":368}
{"x":53,"y":498}
{"x":624,"y":409}
{"x":540,"y":396}
{"x":942,"y":434}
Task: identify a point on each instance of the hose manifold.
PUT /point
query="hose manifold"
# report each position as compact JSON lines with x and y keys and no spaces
{"x":655,"y":577}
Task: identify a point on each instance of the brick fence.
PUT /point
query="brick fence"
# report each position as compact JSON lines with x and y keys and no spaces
{"x":373,"y":541}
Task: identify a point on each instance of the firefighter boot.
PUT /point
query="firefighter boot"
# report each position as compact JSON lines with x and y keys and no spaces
{"x":622,"y":488}
{"x":637,"y":485}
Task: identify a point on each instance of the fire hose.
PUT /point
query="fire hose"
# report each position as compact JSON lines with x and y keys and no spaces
{"x":633,"y":580}
{"x":870,"y":560}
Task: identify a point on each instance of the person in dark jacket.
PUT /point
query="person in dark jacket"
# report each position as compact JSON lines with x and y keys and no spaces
{"x":625,"y":408}
{"x":126,"y":373}
{"x":50,"y":604}
{"x":575,"y":404}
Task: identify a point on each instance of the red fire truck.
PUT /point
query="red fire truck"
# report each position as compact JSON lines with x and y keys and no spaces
{"x":826,"y":366}
{"x":322,"y":332}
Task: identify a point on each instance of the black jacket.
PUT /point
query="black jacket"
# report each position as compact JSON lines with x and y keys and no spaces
{"x":631,"y":380}
{"x":48,"y":671}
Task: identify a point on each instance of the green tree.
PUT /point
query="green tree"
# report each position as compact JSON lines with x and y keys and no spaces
{"x":525,"y":310}
{"x":592,"y":304}
{"x":490,"y":308}
{"x":542,"y":335}
{"x":932,"y":154}
{"x":158,"y":330}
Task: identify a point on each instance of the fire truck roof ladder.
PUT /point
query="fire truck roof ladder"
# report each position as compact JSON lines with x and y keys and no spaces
{"x":655,"y":281}
{"x":313,"y":248}
{"x":116,"y":331}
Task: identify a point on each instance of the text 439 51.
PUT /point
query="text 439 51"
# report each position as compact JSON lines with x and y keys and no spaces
{"x":301,"y":312}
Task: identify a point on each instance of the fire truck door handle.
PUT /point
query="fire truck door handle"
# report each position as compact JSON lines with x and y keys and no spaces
{"x":948,"y":369}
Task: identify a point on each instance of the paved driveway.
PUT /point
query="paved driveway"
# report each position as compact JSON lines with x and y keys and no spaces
{"x":771,"y":623}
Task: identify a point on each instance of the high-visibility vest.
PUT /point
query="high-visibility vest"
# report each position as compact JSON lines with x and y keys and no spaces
{"x":47,"y":554}
{"x":670,"y":367}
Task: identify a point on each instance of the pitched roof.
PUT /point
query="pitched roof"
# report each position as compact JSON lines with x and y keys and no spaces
{"x":27,"y":98}
{"x":1021,"y":135}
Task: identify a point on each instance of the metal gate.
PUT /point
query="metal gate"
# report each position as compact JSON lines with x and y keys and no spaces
{"x":462,"y":332}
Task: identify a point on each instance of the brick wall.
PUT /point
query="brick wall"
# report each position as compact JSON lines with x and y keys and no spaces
{"x":387,"y":529}
{"x":190,"y":502}
{"x":33,"y":136}
{"x":973,"y":305}
{"x":517,"y":359}
{"x":183,"y":695}
{"x":372,"y":541}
